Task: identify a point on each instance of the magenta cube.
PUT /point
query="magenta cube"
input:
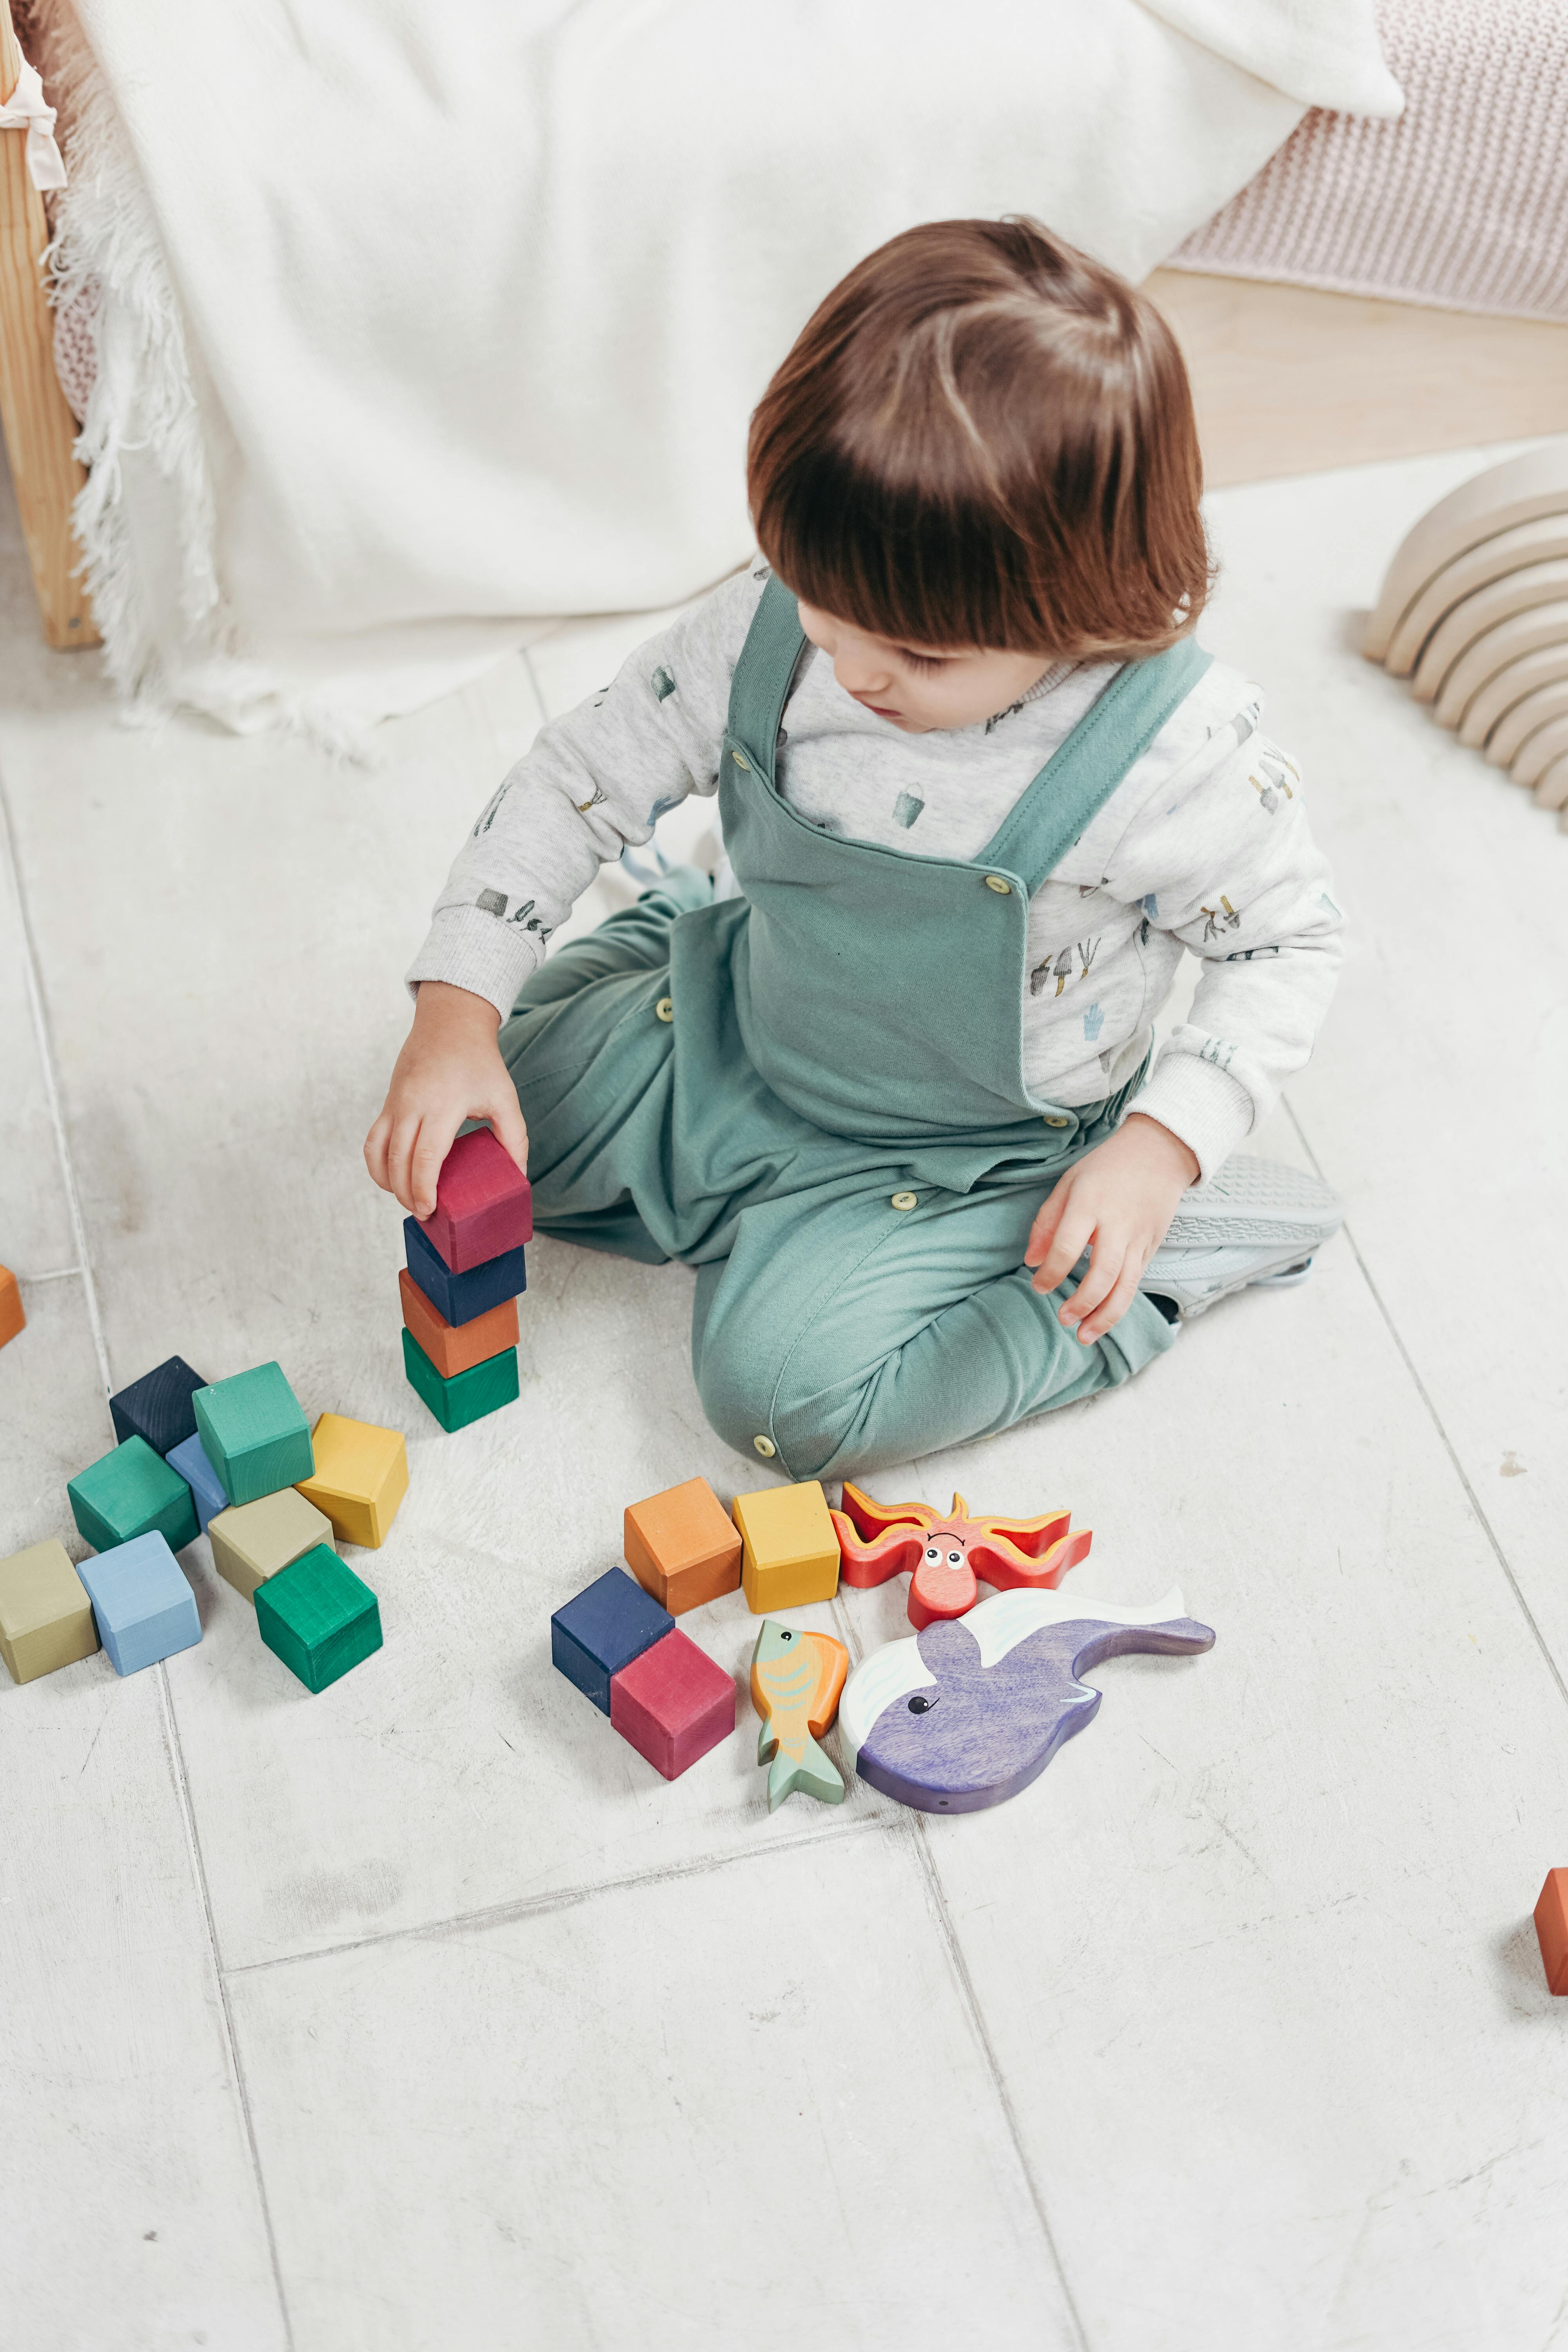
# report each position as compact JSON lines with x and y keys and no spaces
{"x":483,"y":1207}
{"x":673,"y":1704}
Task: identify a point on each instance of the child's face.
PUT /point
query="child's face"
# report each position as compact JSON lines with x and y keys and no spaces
{"x":921,"y":688}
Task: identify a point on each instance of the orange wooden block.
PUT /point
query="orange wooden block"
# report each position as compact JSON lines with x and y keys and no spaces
{"x":1552,"y":1928}
{"x":455,"y":1348}
{"x":11,"y":1316}
{"x":682,"y":1545}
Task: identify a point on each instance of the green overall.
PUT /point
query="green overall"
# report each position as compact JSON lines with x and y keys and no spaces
{"x":814,"y":1094}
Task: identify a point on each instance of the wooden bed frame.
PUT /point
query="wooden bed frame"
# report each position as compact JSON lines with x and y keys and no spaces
{"x":38,"y":425}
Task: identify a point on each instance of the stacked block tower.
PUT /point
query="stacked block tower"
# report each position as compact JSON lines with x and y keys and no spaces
{"x":466,"y":1268}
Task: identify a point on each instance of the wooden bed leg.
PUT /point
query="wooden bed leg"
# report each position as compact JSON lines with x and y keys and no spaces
{"x":38,"y":425}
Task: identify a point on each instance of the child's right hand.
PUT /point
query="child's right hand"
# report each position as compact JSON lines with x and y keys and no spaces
{"x":451,"y":1069}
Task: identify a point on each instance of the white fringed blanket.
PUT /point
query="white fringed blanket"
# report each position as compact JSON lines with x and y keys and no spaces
{"x":415,"y":322}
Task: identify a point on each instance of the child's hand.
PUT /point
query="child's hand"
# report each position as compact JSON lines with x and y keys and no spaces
{"x":449,"y":1070}
{"x":1122,"y":1197}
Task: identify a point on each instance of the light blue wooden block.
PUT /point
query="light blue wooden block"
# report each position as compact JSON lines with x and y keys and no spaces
{"x":144,"y":1609}
{"x":189,"y":1459}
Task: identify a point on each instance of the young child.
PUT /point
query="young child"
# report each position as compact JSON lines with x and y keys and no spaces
{"x":979,"y":789}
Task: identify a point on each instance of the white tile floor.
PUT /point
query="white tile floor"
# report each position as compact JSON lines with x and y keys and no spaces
{"x":422,"y":2015}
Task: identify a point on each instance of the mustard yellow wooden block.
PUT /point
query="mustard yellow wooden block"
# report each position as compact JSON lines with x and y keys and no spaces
{"x":360,"y":1477}
{"x":789,"y":1551}
{"x":46,"y":1617}
{"x":251,"y":1541}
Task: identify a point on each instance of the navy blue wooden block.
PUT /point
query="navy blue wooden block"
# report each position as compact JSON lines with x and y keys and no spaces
{"x":158,"y":1406}
{"x":460,"y":1297}
{"x":607,"y":1625}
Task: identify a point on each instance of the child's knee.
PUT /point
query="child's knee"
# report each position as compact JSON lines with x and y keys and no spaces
{"x":768,"y":1404}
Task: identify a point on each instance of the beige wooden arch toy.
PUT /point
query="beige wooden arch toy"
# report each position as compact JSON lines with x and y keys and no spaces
{"x":1474,"y":612}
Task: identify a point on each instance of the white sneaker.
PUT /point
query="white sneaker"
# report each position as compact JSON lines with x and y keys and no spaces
{"x":1256,"y":1222}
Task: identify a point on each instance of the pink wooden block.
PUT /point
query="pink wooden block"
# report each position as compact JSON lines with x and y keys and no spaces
{"x":483,"y":1206}
{"x":673,"y":1704}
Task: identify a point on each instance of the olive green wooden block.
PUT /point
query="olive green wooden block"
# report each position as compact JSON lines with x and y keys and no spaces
{"x":251,"y":1541}
{"x":318,"y":1617}
{"x":46,"y":1617}
{"x":469,"y":1396}
{"x":129,"y":1493}
{"x":256,"y":1436}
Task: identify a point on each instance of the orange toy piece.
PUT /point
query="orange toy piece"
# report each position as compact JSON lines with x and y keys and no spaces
{"x":1552,"y":1930}
{"x":11,"y":1316}
{"x":682,"y":1545}
{"x":455,"y":1348}
{"x":947,"y":1557}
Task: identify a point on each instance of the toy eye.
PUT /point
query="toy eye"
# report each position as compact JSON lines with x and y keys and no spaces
{"x":921,"y":1705}
{"x":932,"y":1552}
{"x":955,"y":1559}
{"x":785,"y":1635}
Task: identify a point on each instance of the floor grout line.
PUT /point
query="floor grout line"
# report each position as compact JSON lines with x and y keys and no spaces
{"x":32,"y":972}
{"x":960,"y":1965}
{"x":1482,"y":1521}
{"x":56,"y":1273}
{"x":565,"y":1898}
{"x":33,"y":977}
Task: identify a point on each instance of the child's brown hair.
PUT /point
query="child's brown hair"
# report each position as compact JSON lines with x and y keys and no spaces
{"x":983,"y":438}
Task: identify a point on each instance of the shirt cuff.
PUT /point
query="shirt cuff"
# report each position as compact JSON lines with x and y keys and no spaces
{"x":1203,"y":1105}
{"x":469,"y":949}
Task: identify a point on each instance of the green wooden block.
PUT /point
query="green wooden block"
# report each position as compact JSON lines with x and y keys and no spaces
{"x":319,"y":1617}
{"x":483,"y":1388}
{"x":256,"y":1436}
{"x":129,"y":1493}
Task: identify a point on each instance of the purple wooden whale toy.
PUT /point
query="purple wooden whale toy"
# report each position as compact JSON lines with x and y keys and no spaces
{"x":972,"y":1710}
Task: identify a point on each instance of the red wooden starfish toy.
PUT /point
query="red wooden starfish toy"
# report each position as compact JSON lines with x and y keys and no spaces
{"x":948,"y":1556}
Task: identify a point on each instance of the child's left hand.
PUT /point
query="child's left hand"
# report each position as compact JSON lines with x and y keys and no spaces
{"x":1120,"y":1197}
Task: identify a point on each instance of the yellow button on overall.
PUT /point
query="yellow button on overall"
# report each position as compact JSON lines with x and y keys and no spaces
{"x":664,"y":1011}
{"x":1000,"y":884}
{"x":903,"y":1201}
{"x":765,"y":1447}
{"x":740,"y":761}
{"x":1054,"y":1119}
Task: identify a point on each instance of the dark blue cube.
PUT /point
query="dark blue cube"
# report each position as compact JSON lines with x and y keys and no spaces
{"x":158,"y":1406}
{"x":460,"y":1297}
{"x":607,"y":1625}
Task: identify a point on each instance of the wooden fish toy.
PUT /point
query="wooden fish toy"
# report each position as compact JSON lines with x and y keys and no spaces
{"x":796,"y":1677}
{"x":965,"y":1715}
{"x":946,"y":1556}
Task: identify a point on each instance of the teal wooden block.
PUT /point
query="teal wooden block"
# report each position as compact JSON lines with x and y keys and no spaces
{"x":467,"y":1396}
{"x":132,"y":1493}
{"x":318,"y":1617}
{"x":254,"y":1433}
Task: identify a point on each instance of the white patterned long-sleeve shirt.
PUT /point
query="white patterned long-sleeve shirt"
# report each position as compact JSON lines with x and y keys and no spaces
{"x":1202,"y":845}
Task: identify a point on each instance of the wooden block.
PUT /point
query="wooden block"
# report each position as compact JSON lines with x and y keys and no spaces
{"x":455,"y":1348}
{"x":319,"y":1617}
{"x":682,"y":1545}
{"x":797,"y":1677}
{"x":602,"y":1629}
{"x":483,"y":1204}
{"x":483,"y":1388}
{"x":12,"y":1319}
{"x":256,"y":1436}
{"x":789,"y":1549}
{"x":190,"y":1462}
{"x":131,"y":1493}
{"x":45,"y":1616}
{"x":1552,"y":1930}
{"x":673,"y":1704}
{"x":144,"y":1608}
{"x":460,"y":1297}
{"x":359,"y":1478}
{"x":969,"y":1712}
{"x":251,"y":1541}
{"x":158,"y":1406}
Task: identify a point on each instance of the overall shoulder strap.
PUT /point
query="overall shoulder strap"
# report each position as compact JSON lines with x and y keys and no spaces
{"x":1081,"y":773}
{"x":765,"y":674}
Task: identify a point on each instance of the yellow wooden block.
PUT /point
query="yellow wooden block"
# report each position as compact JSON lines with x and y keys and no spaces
{"x":46,"y":1617}
{"x":789,"y":1551}
{"x":360,"y":1477}
{"x":251,"y":1541}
